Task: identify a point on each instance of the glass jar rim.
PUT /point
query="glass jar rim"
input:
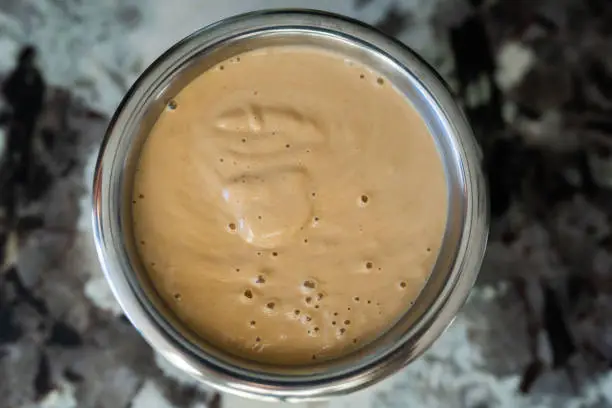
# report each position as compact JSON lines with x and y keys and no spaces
{"x":465,"y":240}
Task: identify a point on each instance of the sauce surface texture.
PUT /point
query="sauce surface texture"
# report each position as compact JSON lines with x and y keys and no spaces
{"x":289,"y":205}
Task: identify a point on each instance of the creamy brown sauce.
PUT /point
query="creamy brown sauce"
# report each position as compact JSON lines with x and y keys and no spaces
{"x":289,"y":205}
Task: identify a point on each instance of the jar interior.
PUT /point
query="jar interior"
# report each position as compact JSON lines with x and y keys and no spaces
{"x":175,"y":75}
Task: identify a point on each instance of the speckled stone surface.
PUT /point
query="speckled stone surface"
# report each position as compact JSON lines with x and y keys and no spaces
{"x":535,"y":78}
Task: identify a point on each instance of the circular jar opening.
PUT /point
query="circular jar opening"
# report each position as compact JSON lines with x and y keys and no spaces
{"x":458,"y":260}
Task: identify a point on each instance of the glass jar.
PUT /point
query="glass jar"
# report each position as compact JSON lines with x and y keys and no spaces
{"x":459,"y":259}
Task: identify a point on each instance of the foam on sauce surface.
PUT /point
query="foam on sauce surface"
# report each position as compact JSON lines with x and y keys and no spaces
{"x":289,"y":205}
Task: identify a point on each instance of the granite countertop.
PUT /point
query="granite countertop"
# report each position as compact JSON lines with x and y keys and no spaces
{"x":535,"y":78}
